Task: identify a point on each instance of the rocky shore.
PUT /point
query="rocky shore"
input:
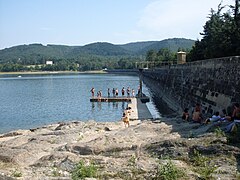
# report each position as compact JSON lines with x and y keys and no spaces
{"x":138,"y":152}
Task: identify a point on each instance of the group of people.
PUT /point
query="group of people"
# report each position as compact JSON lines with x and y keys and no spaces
{"x":232,"y":119}
{"x":129,"y":92}
{"x":115,"y":92}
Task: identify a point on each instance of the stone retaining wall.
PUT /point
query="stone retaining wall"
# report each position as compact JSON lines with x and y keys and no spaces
{"x":215,"y":83}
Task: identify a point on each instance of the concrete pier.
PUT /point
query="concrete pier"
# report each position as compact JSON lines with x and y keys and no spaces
{"x":139,"y":110}
{"x":110,"y":99}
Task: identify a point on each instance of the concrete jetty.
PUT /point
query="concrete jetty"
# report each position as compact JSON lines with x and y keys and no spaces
{"x":139,"y":109}
{"x":110,"y":99}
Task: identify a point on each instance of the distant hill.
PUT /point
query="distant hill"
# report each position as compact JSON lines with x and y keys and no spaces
{"x":172,"y":44}
{"x":138,"y":46}
{"x":38,"y":53}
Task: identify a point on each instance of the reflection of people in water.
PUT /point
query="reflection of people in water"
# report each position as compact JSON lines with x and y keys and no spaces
{"x":93,"y":105}
{"x":123,"y":105}
{"x":99,"y":105}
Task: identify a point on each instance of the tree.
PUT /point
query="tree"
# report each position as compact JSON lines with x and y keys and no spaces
{"x":221,"y":35}
{"x":163,"y":56}
{"x":151,"y":55}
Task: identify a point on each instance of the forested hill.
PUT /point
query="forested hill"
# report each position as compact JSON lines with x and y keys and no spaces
{"x":38,"y":53}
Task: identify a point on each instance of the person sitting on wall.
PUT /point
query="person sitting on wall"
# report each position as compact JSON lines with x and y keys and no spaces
{"x":236,"y":112}
{"x":197,"y":114}
{"x":235,"y":118}
{"x":185,"y":115}
{"x":215,"y":118}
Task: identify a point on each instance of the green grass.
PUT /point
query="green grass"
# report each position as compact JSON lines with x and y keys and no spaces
{"x":82,"y":171}
{"x":169,"y":171}
{"x":203,"y":165}
{"x":219,"y":132}
{"x":16,"y":173}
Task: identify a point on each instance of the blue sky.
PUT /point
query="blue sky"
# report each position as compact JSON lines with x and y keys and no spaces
{"x":80,"y":22}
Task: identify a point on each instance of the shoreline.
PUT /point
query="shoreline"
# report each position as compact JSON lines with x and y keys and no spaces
{"x":53,"y":72}
{"x":118,"y":151}
{"x":51,"y":151}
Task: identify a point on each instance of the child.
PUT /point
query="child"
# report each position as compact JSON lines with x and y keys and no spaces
{"x":185,"y":115}
{"x":216,"y":117}
{"x":125,"y":117}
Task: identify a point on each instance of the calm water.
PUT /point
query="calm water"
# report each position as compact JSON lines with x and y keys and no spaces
{"x":33,"y":101}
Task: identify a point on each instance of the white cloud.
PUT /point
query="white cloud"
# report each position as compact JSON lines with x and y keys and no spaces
{"x":45,"y":29}
{"x":176,"y":18}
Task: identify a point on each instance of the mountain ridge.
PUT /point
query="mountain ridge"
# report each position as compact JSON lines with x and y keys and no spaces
{"x":35,"y":53}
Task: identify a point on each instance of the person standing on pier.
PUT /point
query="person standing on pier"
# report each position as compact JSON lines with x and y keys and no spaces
{"x":128,"y":91}
{"x":92,"y":91}
{"x":116,"y":92}
{"x":108,"y":92}
{"x":123,"y":91}
{"x":113,"y":91}
{"x":133,"y":93}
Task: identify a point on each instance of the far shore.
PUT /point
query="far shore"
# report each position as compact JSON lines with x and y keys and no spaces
{"x":54,"y":72}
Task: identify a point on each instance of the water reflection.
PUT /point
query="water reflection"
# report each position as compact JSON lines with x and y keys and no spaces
{"x":110,"y":105}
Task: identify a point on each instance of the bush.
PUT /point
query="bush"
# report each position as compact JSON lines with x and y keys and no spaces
{"x":169,"y":172}
{"x":203,"y":165}
{"x":82,"y":171}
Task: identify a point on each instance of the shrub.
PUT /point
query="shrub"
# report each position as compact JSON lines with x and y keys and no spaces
{"x":16,"y":173}
{"x":82,"y":171}
{"x":219,"y":132}
{"x":169,"y":172}
{"x":203,"y":165}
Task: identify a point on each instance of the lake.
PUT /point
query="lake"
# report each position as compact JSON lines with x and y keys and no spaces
{"x":31,"y":101}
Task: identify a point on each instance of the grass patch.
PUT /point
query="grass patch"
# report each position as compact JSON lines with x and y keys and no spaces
{"x":169,"y":171}
{"x":16,"y":173}
{"x":203,"y":165}
{"x":82,"y":171}
{"x":55,"y":172}
{"x":219,"y":132}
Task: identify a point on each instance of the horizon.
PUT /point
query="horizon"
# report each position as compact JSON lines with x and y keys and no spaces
{"x":78,"y":23}
{"x":91,"y":43}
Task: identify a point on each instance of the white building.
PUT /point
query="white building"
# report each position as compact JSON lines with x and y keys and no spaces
{"x":49,"y":62}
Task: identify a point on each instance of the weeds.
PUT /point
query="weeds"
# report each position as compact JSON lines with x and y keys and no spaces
{"x":169,"y":172}
{"x":55,"y":172}
{"x":219,"y":132}
{"x":82,"y":171}
{"x":133,"y":166}
{"x":203,"y":165}
{"x":16,"y":173}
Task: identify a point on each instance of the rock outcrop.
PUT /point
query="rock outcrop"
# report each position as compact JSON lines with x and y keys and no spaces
{"x":136,"y":152}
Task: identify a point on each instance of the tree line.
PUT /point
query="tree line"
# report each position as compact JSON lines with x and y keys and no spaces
{"x":221,"y":34}
{"x":221,"y":38}
{"x":69,"y":65}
